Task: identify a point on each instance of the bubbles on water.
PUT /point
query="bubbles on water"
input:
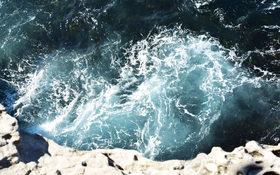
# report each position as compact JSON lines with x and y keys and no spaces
{"x":8,"y":95}
{"x":163,"y":94}
{"x":201,"y":3}
{"x":272,"y":5}
{"x":160,"y":98}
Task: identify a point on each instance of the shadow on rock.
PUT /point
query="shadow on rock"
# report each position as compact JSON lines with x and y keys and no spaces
{"x":250,"y":169}
{"x":32,"y":147}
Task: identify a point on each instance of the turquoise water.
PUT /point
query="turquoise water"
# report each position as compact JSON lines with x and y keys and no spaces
{"x":167,"y":78}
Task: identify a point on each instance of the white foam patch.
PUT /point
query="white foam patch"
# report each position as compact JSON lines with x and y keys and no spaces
{"x":272,"y":5}
{"x":201,"y":3}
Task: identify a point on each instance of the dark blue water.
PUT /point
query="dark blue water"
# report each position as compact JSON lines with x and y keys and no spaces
{"x":169,"y":78}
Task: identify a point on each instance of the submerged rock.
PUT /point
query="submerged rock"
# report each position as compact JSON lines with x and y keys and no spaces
{"x":23,"y":153}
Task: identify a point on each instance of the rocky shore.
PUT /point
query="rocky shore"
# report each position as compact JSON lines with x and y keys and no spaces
{"x":28,"y":154}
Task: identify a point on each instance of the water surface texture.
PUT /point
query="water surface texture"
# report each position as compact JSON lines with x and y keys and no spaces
{"x":169,"y":78}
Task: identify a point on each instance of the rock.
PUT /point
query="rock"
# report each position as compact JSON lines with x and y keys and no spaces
{"x":2,"y":108}
{"x":23,"y":153}
{"x":9,"y":139}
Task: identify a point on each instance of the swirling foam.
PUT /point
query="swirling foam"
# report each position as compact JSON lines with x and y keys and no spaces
{"x":160,"y":99}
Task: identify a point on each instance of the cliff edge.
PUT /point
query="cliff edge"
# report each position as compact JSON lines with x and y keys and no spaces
{"x":28,"y":154}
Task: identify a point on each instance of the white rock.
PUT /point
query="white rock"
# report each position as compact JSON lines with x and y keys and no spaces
{"x":211,"y":167}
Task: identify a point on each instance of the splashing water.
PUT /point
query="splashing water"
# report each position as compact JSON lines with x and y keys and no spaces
{"x":160,"y":99}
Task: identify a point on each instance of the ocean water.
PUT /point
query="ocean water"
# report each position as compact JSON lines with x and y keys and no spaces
{"x":169,"y":78}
